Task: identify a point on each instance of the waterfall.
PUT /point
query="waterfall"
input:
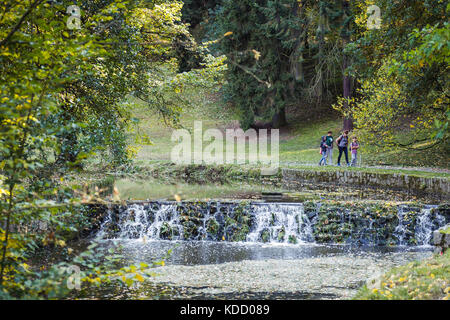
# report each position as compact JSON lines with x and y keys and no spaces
{"x":269,"y":223}
{"x":426,"y":224}
{"x":139,"y":222}
{"x":280,"y":223}
{"x":401,"y":231}
{"x":417,"y":228}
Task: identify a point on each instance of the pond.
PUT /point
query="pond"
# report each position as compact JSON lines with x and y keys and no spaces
{"x":246,"y":250}
{"x":223,"y":270}
{"x":229,"y":241}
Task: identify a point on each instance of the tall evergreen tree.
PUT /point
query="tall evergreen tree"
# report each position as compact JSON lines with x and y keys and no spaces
{"x":283,"y":53}
{"x":265,"y":59}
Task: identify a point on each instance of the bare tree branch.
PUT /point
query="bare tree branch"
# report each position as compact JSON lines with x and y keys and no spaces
{"x":19,"y":23}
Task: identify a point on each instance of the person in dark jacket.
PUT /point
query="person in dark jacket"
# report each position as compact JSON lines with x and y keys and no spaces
{"x":330,"y":143}
{"x":342,"y":143}
{"x":323,"y":151}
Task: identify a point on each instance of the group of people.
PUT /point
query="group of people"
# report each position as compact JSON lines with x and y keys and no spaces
{"x":327,"y":144}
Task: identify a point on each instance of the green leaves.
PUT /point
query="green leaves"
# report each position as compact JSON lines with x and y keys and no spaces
{"x":403,"y":71}
{"x":60,"y":100}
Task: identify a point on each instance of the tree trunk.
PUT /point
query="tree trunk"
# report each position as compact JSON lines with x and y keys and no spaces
{"x":319,"y":71}
{"x":68,"y":141}
{"x":348,"y":121}
{"x":279,"y":119}
{"x":296,"y":57}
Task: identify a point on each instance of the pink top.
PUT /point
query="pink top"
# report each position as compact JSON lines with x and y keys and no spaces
{"x":354,"y":147}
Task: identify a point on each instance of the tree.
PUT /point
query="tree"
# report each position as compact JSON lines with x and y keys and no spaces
{"x":137,"y":39}
{"x":264,"y":57}
{"x":346,"y":38}
{"x":61,"y":92}
{"x":284,"y":54}
{"x":403,"y":70}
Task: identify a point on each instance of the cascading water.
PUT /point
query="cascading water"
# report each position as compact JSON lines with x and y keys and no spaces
{"x":417,"y":227}
{"x":401,"y":231}
{"x":280,"y":223}
{"x":426,"y":224}
{"x":139,"y":222}
{"x":268,"y":222}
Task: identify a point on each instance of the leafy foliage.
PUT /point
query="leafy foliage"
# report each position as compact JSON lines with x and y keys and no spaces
{"x":403,"y":69}
{"x":281,"y":53}
{"x":60,"y":93}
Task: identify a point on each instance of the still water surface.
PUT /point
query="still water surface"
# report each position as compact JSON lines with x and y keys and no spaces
{"x":222,"y":270}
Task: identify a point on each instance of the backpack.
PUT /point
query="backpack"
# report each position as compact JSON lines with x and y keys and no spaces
{"x":329,"y":141}
{"x":339,"y":140}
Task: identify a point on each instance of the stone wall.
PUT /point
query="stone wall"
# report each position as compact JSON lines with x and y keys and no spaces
{"x":331,"y":222}
{"x":436,"y":187}
{"x":441,"y":239}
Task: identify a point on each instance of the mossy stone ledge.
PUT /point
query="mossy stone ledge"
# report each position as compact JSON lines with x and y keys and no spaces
{"x":361,"y":223}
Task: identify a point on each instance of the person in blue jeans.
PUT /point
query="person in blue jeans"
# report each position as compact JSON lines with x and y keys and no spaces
{"x":342,"y":143}
{"x":323,"y":151}
{"x":354,"y":146}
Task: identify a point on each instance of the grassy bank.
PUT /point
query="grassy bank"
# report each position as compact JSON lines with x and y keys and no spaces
{"x":239,"y":172}
{"x":299,"y":141}
{"x":420,"y":280}
{"x":164,"y":180}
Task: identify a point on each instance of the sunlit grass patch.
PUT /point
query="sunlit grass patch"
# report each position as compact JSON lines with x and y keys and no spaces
{"x":421,"y":280}
{"x":299,"y":142}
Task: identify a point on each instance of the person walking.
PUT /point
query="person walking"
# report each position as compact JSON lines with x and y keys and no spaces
{"x":354,"y":149}
{"x":330,"y":143}
{"x":342,"y":143}
{"x":323,"y":151}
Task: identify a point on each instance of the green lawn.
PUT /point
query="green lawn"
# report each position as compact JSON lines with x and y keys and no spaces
{"x":299,"y":142}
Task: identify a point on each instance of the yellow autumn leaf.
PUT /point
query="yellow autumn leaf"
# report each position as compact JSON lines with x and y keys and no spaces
{"x":116,"y":194}
{"x":257,"y":54}
{"x":139,"y":277}
{"x":61,"y":243}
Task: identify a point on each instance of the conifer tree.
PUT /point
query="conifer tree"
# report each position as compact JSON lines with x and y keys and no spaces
{"x":264,"y":53}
